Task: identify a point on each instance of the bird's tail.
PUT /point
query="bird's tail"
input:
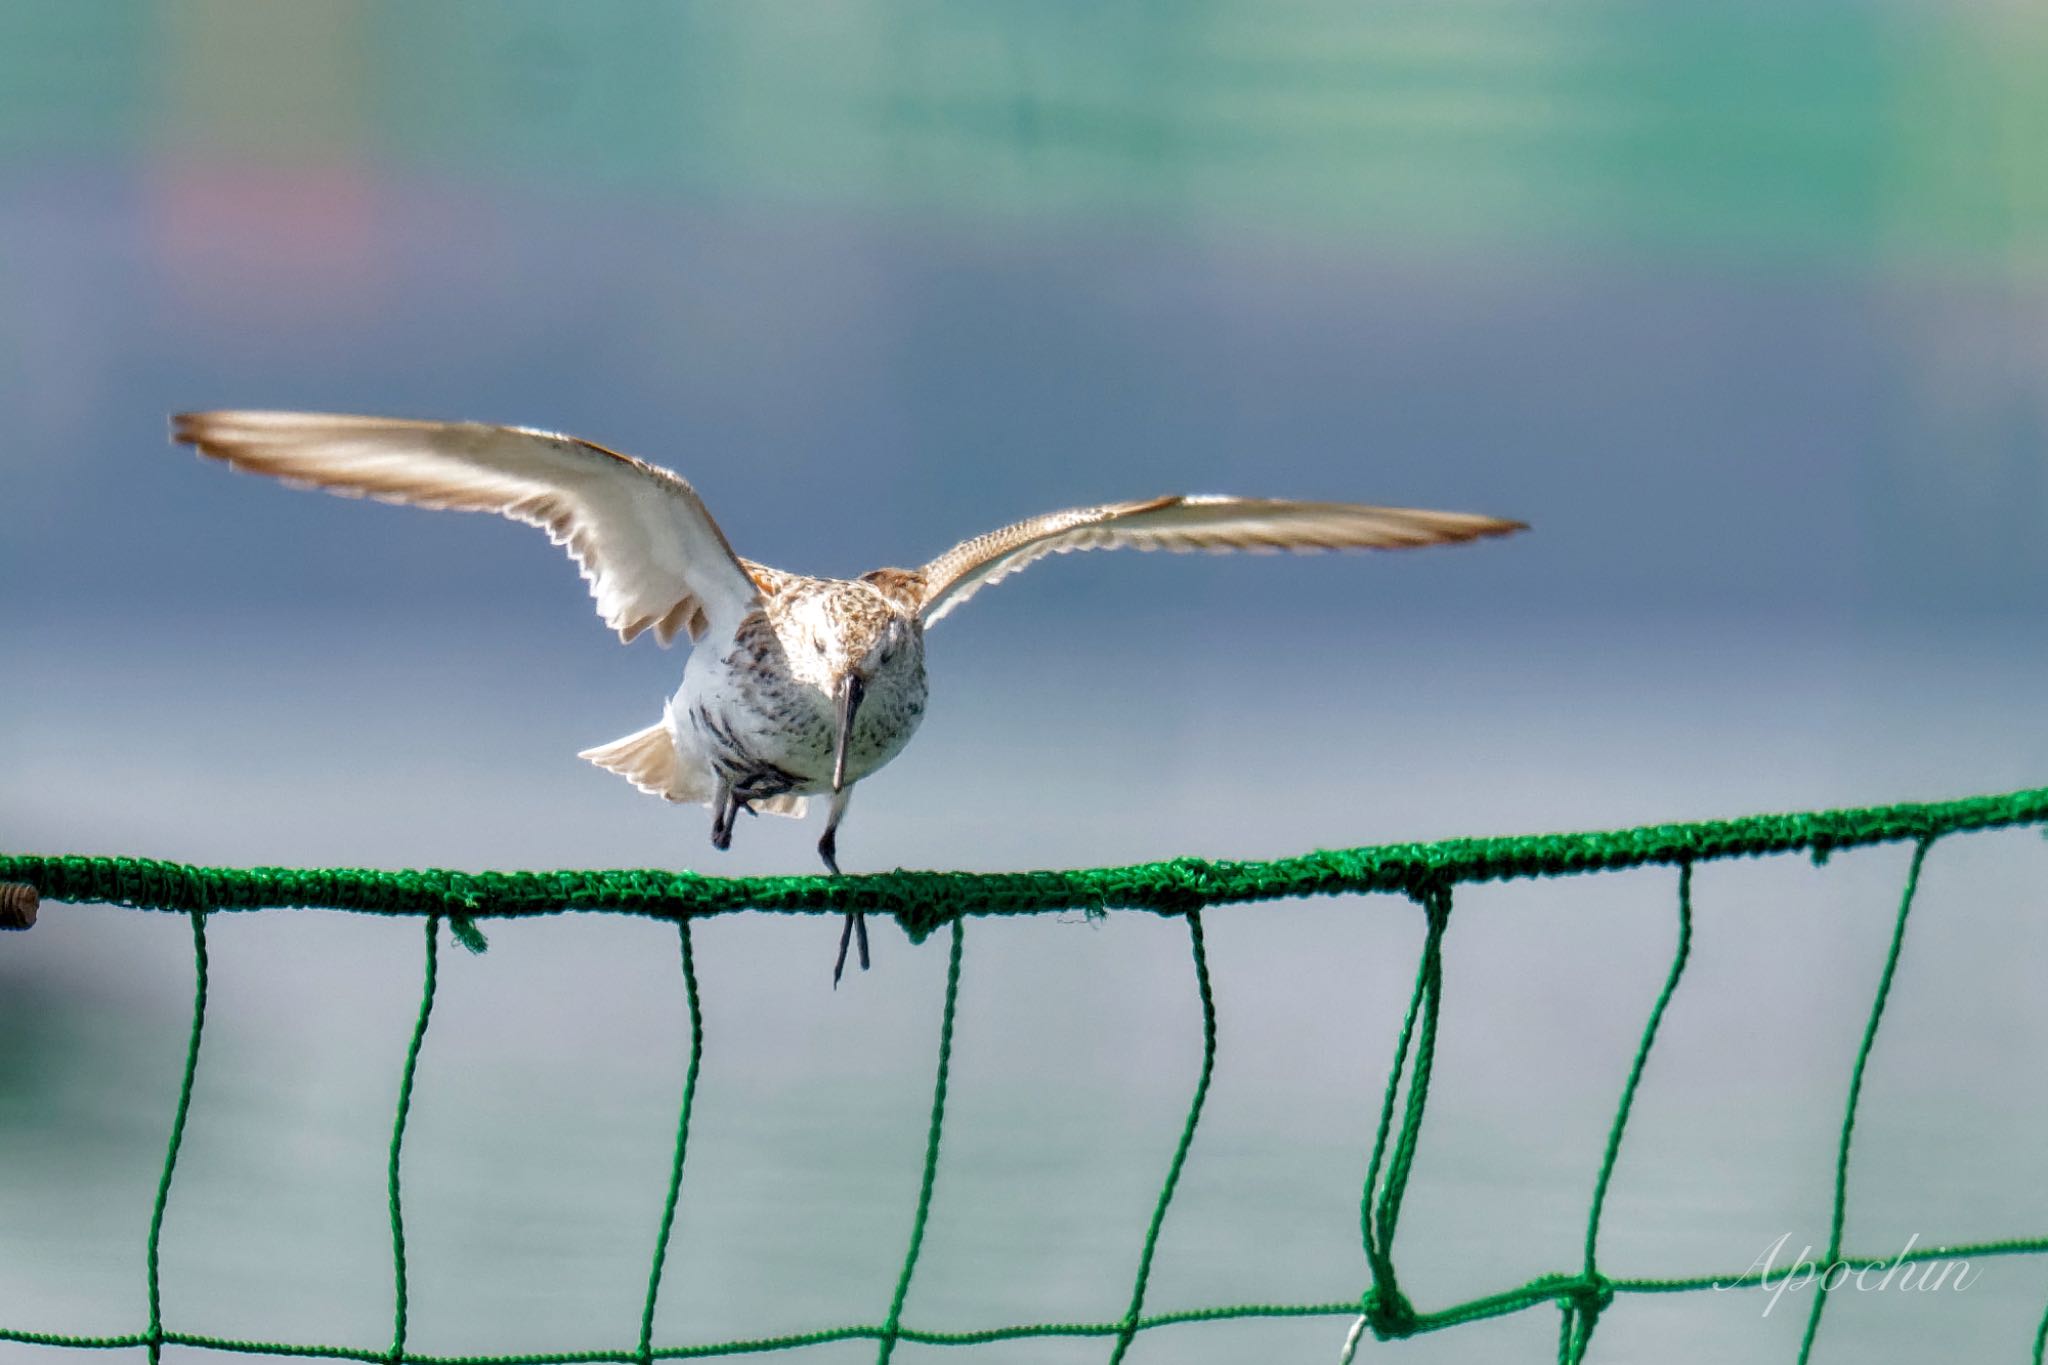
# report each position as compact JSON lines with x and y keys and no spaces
{"x":653,"y":760}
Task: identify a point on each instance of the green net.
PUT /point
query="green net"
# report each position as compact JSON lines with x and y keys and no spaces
{"x":924,"y":902}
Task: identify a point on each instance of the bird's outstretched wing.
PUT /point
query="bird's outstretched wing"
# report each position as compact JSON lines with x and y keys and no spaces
{"x":1266,"y":525}
{"x":654,"y":558}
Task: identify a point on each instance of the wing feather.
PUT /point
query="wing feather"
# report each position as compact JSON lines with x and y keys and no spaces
{"x":1182,"y":524}
{"x":652,"y":554}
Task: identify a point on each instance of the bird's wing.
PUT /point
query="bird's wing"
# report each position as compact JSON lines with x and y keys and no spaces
{"x":652,"y":555}
{"x":1266,"y":525}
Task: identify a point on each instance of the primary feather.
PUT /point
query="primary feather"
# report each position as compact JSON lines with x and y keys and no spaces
{"x":652,"y":554}
{"x":1185,"y":523}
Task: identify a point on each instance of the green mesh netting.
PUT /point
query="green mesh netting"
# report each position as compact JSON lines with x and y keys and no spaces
{"x":923,"y":902}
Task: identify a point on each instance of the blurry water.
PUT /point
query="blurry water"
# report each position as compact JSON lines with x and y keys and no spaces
{"x":546,"y":1094}
{"x":1742,"y":309}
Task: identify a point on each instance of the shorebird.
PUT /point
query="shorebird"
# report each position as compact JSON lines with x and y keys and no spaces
{"x":797,"y":686}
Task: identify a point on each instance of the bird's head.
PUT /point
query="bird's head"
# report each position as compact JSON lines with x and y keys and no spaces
{"x":879,"y":647}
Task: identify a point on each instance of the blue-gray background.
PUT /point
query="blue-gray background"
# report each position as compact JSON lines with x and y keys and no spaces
{"x":1745,"y":309}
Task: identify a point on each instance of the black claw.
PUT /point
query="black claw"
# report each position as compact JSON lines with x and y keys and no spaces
{"x":839,"y":967}
{"x":729,"y":808}
{"x":828,"y":849}
{"x":860,"y":930}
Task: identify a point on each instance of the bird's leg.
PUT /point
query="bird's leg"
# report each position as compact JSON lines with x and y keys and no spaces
{"x":723,"y":814}
{"x":856,"y":927}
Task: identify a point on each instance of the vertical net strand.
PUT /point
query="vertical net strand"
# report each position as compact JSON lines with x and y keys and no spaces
{"x":1128,"y":1328}
{"x":1439,"y":909}
{"x":1386,"y":1309}
{"x":1884,"y":990}
{"x":892,"y":1327}
{"x":177,"y":1139}
{"x":675,"y":1174}
{"x":1582,"y":1312}
{"x":394,"y":1192}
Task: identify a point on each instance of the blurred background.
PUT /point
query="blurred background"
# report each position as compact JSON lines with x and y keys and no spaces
{"x":1744,"y":307}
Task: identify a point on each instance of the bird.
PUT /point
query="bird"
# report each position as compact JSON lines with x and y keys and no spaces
{"x":795,"y":686}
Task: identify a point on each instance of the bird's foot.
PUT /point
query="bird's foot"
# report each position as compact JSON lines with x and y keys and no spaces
{"x":727,"y":814}
{"x":828,"y":849}
{"x":856,"y":929}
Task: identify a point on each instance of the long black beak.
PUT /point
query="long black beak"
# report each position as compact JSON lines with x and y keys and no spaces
{"x":851,"y":689}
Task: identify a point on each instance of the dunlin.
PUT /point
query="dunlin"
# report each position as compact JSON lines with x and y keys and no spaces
{"x":797,"y":686}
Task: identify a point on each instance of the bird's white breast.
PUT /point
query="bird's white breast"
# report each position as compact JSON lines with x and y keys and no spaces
{"x":746,"y":706}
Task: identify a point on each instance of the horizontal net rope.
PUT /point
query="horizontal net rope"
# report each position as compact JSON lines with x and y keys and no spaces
{"x":923,"y":901}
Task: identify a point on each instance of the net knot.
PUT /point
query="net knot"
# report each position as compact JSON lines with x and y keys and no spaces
{"x":920,"y":909}
{"x":1388,"y":1313}
{"x":1588,"y":1298}
{"x":1180,"y":886}
{"x":1431,"y":889}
